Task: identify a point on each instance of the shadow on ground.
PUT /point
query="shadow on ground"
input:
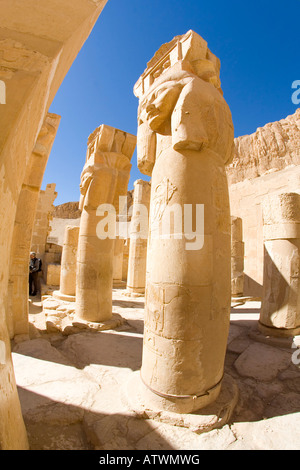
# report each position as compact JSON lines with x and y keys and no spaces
{"x":60,"y":426}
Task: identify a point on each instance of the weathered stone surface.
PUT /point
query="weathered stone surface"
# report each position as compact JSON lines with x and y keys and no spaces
{"x":48,"y":381}
{"x":238,"y":345}
{"x":68,"y":210}
{"x":94,"y":416}
{"x":68,"y":261}
{"x":41,"y":227}
{"x":59,"y":316}
{"x":57,"y":437}
{"x":87,"y":348}
{"x":237,"y":256}
{"x":268,"y":434}
{"x":36,"y":51}
{"x":139,"y":226}
{"x":168,"y":437}
{"x":262,"y":362}
{"x":261,"y":168}
{"x":53,"y":275}
{"x":28,"y":203}
{"x":280,"y":313}
{"x":215,"y":415}
{"x":271,"y":148}
{"x":188,"y":288}
{"x":104,"y":180}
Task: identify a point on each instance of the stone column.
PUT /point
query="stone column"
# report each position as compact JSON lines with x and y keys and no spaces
{"x":136,"y":279}
{"x":103,"y":180}
{"x":185,"y":137}
{"x":126,"y":218}
{"x":118,"y":262}
{"x":280,"y":312}
{"x":125,"y":259}
{"x":24,"y":226}
{"x":67,"y":289}
{"x":43,"y":216}
{"x":237,"y":257}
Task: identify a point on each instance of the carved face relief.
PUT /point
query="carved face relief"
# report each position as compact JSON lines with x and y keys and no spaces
{"x":158,"y":105}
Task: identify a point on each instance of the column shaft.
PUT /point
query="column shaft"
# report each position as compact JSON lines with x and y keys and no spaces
{"x":136,"y":279}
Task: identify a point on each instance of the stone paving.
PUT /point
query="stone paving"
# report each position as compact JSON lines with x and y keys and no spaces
{"x":71,"y":387}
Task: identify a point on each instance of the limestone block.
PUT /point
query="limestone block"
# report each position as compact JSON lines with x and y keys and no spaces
{"x":262,"y":362}
{"x":53,"y":274}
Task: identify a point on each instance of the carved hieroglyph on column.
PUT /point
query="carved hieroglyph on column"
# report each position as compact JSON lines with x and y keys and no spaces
{"x":185,"y":137}
{"x":68,"y":267}
{"x":280,"y":312}
{"x":104,"y":179}
{"x":136,"y":278}
{"x":237,"y":256}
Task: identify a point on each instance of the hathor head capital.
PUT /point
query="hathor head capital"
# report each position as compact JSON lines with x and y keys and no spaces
{"x":191,"y":52}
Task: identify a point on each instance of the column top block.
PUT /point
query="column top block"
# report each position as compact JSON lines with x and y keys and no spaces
{"x":142,"y":182}
{"x":190,"y":50}
{"x":109,"y":139}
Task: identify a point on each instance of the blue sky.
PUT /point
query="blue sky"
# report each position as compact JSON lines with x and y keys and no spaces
{"x":257,"y":43}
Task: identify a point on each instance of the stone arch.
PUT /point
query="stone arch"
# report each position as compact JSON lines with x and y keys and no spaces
{"x":38,"y":44}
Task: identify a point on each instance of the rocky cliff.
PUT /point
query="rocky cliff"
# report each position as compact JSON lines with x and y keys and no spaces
{"x":68,"y":210}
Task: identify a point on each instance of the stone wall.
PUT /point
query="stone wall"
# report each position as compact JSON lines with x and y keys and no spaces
{"x":58,"y":226}
{"x":266,"y":162}
{"x":43,"y":217}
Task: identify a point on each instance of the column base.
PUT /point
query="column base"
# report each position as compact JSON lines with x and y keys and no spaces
{"x":60,"y":296}
{"x":117,"y":283}
{"x":60,"y":316}
{"x":278,"y":332}
{"x":275,"y":341}
{"x":78,"y":324}
{"x":146,"y":404}
{"x":134,"y":292}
